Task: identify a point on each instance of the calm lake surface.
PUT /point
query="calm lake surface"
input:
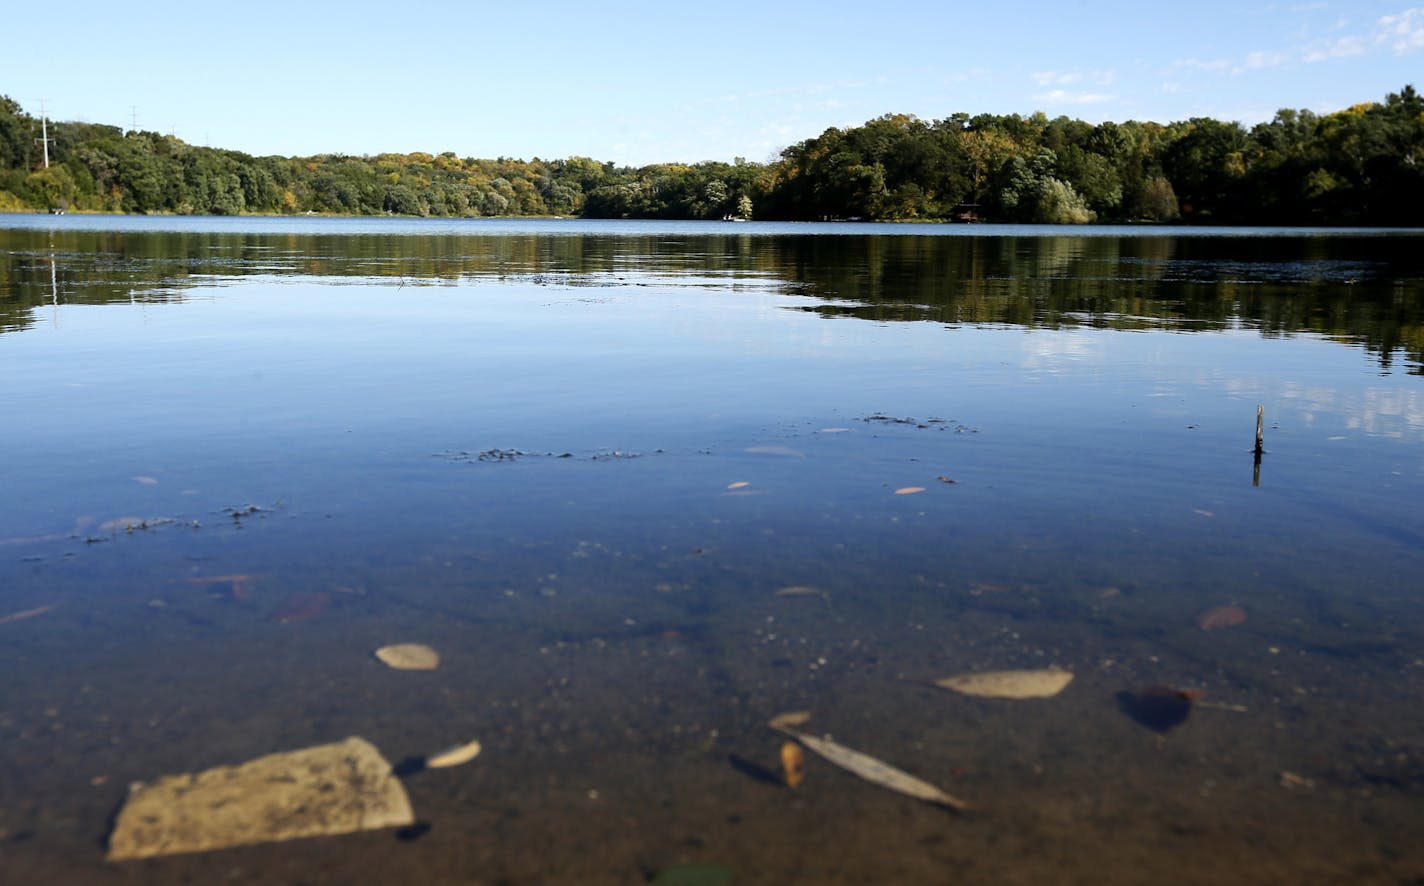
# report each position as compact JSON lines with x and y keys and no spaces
{"x":581,"y":459}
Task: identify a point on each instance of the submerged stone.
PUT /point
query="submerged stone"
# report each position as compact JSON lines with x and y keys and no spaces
{"x":329,"y":789}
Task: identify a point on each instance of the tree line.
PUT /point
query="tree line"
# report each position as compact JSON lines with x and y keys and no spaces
{"x":1358,"y":166}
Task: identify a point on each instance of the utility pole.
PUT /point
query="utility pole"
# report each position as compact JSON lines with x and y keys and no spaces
{"x":44,"y":138}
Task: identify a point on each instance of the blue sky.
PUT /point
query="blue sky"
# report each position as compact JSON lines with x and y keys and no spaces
{"x":639,"y":83}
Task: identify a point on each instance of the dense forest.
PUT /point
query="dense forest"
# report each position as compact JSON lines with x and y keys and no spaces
{"x":1359,"y":166}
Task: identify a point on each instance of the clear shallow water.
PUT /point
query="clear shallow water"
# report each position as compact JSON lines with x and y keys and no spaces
{"x":515,"y":441}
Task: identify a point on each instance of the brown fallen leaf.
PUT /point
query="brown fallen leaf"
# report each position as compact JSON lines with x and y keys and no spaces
{"x":793,"y":763}
{"x":237,"y":583}
{"x":28,"y":613}
{"x":1218,"y":617}
{"x":302,"y":606}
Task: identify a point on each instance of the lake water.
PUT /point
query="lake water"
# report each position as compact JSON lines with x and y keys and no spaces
{"x":581,"y":459}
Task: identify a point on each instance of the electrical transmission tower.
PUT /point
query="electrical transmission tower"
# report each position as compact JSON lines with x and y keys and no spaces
{"x":44,"y":138}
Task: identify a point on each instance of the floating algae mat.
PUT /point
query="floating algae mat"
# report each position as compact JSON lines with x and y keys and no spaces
{"x":329,"y":789}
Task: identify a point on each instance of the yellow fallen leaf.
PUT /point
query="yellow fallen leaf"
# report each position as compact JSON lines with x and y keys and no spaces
{"x":454,"y":756}
{"x":409,"y":657}
{"x":793,"y":763}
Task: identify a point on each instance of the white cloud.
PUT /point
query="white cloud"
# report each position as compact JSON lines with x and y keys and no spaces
{"x":1344,"y":47}
{"x":1068,"y":78}
{"x":1403,"y":33}
{"x":1063,"y":97}
{"x":1216,"y":64}
{"x":1257,"y":60}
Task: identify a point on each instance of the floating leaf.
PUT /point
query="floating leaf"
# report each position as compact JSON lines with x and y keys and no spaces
{"x":793,"y":763}
{"x":909,"y":490}
{"x":453,"y":756}
{"x":409,"y":657}
{"x":1218,"y":617}
{"x":1009,"y":684}
{"x":740,"y":484}
{"x":869,"y":768}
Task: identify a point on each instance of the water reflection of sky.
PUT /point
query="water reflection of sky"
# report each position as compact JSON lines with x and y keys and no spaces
{"x":465,"y":442}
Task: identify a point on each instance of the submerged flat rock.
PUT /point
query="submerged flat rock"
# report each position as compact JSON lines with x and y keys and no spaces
{"x":324,"y":790}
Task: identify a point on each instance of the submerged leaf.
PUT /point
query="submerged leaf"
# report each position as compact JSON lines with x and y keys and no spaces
{"x":869,"y":768}
{"x":1218,"y":617}
{"x":409,"y":657}
{"x":782,"y":722}
{"x":300,"y":607}
{"x":800,"y":591}
{"x":793,"y":763}
{"x":776,"y":450}
{"x":453,"y":756}
{"x":1009,"y":684}
{"x":28,"y":613}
